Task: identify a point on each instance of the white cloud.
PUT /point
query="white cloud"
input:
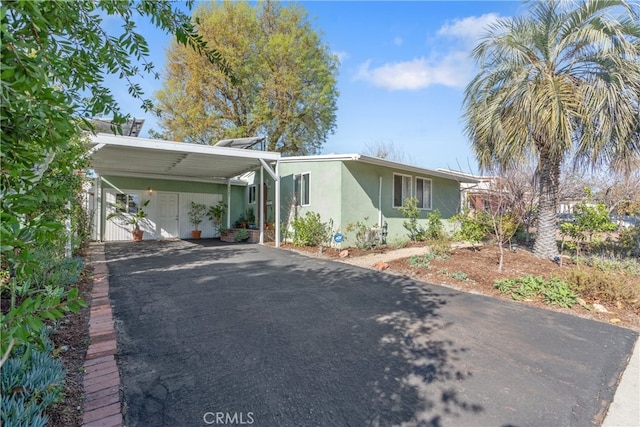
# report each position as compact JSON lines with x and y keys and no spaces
{"x":449,"y":67}
{"x":398,"y":41}
{"x":342,"y":55}
{"x":420,"y":73}
{"x":468,"y":29}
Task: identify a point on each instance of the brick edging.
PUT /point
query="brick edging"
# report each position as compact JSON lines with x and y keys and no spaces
{"x":101,"y":378}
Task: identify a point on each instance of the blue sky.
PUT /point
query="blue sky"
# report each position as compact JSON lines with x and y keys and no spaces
{"x":404,"y":67}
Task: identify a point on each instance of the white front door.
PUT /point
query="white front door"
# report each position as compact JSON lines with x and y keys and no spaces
{"x":168,"y":215}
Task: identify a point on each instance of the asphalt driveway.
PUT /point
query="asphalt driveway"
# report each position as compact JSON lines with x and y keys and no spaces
{"x":213,"y":334}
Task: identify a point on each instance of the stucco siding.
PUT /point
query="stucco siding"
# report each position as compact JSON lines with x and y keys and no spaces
{"x":360,"y":197}
{"x":325,"y":187}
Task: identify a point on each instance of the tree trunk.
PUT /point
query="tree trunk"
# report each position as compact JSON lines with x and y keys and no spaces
{"x":545,"y":245}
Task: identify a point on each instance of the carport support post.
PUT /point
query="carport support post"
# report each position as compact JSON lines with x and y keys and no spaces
{"x":277,"y":203}
{"x":261,"y":208}
{"x":228,"y":203}
{"x":276,"y":178}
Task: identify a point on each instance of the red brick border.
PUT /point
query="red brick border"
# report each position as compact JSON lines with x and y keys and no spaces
{"x":101,"y":378}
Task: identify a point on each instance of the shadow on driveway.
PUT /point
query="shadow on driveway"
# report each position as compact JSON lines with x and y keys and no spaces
{"x":238,"y":334}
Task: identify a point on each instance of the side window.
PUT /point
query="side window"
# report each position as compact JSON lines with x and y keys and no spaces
{"x":301,"y":188}
{"x":401,"y":189}
{"x":252,"y":194}
{"x":423,"y":193}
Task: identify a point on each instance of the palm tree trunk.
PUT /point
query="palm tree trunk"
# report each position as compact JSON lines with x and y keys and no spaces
{"x":545,"y":245}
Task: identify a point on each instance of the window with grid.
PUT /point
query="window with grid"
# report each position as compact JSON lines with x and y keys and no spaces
{"x":423,"y":193}
{"x":401,"y":189}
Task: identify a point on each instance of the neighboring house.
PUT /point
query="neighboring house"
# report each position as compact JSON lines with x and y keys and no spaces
{"x":343,"y":188}
{"x":351,"y":188}
{"x":478,"y":194}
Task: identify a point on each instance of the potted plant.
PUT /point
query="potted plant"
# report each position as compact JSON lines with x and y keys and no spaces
{"x":135,"y":219}
{"x":241,"y":222}
{"x":216,"y":213}
{"x":196,"y":214}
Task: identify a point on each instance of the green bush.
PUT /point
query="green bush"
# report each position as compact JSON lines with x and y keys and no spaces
{"x":629,"y":241}
{"x":366,"y":236}
{"x":473,"y":228}
{"x":424,"y":261}
{"x":410,"y":211}
{"x":31,"y":381}
{"x":435,"y":228}
{"x":309,"y":230}
{"x":553,"y":291}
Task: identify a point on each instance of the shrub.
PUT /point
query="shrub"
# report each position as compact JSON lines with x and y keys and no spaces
{"x":410,"y":211}
{"x":605,"y":286}
{"x":31,"y":381}
{"x":424,"y":261}
{"x":553,"y":291}
{"x":400,"y":242}
{"x":473,"y":228}
{"x":366,"y":236}
{"x":309,"y":230}
{"x":435,"y":228}
{"x":241,"y":235}
{"x":629,"y":241}
{"x":440,"y":247}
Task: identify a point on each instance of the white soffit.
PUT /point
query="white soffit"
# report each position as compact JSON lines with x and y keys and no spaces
{"x":142,"y":157}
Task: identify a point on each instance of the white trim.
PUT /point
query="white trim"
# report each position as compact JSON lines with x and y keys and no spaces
{"x":379,"y":162}
{"x":186,"y":178}
{"x":181,"y":147}
{"x":299,"y":202}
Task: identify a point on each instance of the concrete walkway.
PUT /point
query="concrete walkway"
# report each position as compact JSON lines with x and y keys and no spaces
{"x":255,"y":334}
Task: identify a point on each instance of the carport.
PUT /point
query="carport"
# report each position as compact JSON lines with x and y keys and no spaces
{"x":135,"y":157}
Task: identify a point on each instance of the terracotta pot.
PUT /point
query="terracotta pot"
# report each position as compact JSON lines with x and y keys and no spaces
{"x":137,"y":235}
{"x":195,"y":234}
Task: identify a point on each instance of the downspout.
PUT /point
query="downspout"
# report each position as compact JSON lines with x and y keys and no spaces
{"x":380,"y":202}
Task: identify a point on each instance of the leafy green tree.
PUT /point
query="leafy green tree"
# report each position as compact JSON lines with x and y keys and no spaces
{"x":55,"y":56}
{"x":563,"y":81}
{"x":286,"y":80}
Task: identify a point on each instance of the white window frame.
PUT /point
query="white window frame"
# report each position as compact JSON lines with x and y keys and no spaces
{"x":132,"y":203}
{"x":430,"y":207}
{"x":403,"y":196}
{"x":302,"y":190}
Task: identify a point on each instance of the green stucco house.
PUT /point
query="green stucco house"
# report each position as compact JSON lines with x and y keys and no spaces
{"x":165,"y":177}
{"x":350,"y":188}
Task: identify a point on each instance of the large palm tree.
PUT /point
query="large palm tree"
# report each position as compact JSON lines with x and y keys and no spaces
{"x":558,"y":84}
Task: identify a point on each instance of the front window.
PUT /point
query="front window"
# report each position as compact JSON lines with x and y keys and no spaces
{"x":401,"y":189}
{"x":301,"y":188}
{"x":423,"y":193}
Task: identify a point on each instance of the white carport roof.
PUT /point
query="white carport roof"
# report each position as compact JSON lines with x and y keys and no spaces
{"x":150,"y":158}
